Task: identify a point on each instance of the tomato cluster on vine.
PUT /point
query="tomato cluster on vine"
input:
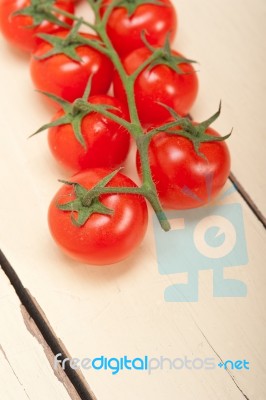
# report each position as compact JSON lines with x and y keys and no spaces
{"x":100,"y":216}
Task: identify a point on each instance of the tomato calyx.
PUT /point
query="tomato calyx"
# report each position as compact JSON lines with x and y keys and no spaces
{"x":87,"y":202}
{"x":68,"y":45}
{"x":76,"y":111}
{"x":80,"y":206}
{"x":39,"y":11}
{"x":132,"y":5}
{"x":196,"y":133}
{"x":165,"y":56}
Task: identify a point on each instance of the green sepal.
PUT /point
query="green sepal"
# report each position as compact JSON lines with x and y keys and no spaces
{"x":67,"y":45}
{"x":60,"y":121}
{"x":64,"y":104}
{"x":87,"y":202}
{"x":132,"y":5}
{"x":59,"y":46}
{"x":41,"y":10}
{"x":165,"y":56}
{"x":74,"y":112}
{"x":195,"y":133}
{"x":84,"y":212}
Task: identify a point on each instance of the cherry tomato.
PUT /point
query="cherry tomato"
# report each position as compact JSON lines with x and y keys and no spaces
{"x":124,"y":30}
{"x":107,"y":143}
{"x":67,"y":78}
{"x":183,"y":178}
{"x":103,"y":239}
{"x":159,"y":84}
{"x":18,"y":29}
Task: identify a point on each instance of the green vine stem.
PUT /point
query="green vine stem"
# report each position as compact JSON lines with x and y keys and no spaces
{"x":147,"y":189}
{"x":185,"y":127}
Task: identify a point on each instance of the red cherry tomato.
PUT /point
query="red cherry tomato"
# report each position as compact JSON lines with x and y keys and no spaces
{"x":124,"y":30}
{"x":18,"y":30}
{"x":159,"y":84}
{"x":68,"y":78}
{"x":107,"y":143}
{"x":183,"y":178}
{"x":103,"y":239}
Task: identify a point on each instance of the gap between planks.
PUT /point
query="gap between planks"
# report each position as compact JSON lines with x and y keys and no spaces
{"x":37,"y":324}
{"x":248,"y":199}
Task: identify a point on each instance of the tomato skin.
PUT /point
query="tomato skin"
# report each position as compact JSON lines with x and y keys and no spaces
{"x":67,"y":78}
{"x":156,"y":21}
{"x":160,"y":84}
{"x":176,"y":168}
{"x":107,"y":143}
{"x":103,"y":239}
{"x":15,"y":28}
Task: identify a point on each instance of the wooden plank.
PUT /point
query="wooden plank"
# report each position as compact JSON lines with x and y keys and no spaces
{"x":121,"y":310}
{"x":25,"y":372}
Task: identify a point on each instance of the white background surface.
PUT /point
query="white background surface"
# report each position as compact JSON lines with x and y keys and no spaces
{"x":120,"y":310}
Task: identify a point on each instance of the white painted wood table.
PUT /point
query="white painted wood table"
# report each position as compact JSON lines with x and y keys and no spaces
{"x":55,"y":305}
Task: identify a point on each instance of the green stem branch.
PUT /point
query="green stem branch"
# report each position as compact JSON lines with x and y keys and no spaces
{"x":112,"y":116}
{"x":145,"y":64}
{"x":148,"y":189}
